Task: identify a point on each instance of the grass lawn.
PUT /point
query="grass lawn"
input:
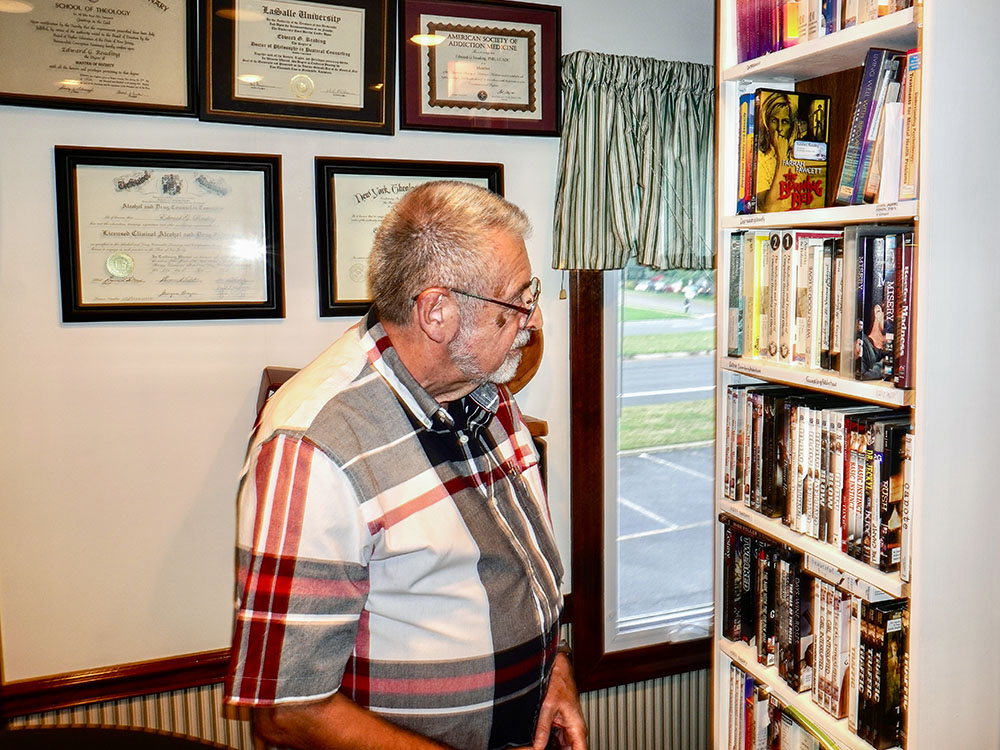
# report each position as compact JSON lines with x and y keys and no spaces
{"x":668,"y":343}
{"x":666,"y":424}
{"x":646,"y":313}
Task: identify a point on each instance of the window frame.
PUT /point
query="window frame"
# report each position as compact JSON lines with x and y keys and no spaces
{"x":595,"y":667}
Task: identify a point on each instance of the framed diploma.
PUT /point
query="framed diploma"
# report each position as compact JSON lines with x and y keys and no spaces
{"x":168,"y":235}
{"x":100,"y":54}
{"x":352,"y":198}
{"x":322,"y":64}
{"x":480,"y":66}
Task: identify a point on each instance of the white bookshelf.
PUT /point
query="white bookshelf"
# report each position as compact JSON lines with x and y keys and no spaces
{"x":954,"y":591}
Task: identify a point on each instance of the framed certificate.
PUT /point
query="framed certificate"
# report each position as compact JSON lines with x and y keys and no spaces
{"x":115,"y":57}
{"x":168,"y":235}
{"x":322,"y":64}
{"x":480,"y":66}
{"x":352,"y":198}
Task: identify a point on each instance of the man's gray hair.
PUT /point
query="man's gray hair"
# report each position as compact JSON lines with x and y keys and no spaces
{"x":440,"y":233}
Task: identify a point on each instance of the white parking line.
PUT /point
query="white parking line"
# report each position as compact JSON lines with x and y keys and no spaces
{"x":672,"y":465}
{"x":668,"y":392}
{"x":655,"y":532}
{"x":647,"y":513}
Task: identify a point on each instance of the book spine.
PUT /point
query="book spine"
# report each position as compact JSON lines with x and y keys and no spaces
{"x":786,"y":313}
{"x":906,"y":512}
{"x":757,"y":467}
{"x":889,"y":303}
{"x":848,"y":316}
{"x":850,"y":14}
{"x":903,"y":354}
{"x":909,"y":162}
{"x":855,"y":136}
{"x":734,"y":332}
{"x":869,"y":497}
{"x":837,"y":312}
{"x":891,"y":499}
{"x":879,"y":499}
{"x":854,"y":670}
{"x":861,"y":295}
{"x":728,"y":577}
{"x":790,"y":23}
{"x":816,"y":302}
{"x":749,"y":163}
{"x":826,"y":304}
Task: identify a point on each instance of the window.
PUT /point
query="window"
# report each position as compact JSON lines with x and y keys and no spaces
{"x":642,"y":458}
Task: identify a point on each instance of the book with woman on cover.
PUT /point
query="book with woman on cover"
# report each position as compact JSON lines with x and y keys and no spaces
{"x":790,"y":156}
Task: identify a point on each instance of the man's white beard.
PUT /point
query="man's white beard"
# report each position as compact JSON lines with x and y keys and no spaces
{"x":465,"y":360}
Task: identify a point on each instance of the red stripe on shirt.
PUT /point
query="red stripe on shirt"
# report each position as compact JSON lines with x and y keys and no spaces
{"x":268,"y":588}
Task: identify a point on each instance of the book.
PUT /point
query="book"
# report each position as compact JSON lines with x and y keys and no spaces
{"x":769,"y":301}
{"x":786,"y":296}
{"x":850,"y":14}
{"x":903,"y":345}
{"x":887,"y":90}
{"x":767,"y":642}
{"x":880,"y":723}
{"x":837,"y":303}
{"x":906,"y":511}
{"x":887,"y":456}
{"x":744,"y":142}
{"x":826,"y":303}
{"x":909,"y":168}
{"x":870,"y":316}
{"x":736,"y":320}
{"x":807,"y":248}
{"x":794,"y":621}
{"x":883,"y":177}
{"x":892,"y":481}
{"x":790,"y":22}
{"x":791,"y":135}
{"x":875,"y":60}
{"x":755,"y":249}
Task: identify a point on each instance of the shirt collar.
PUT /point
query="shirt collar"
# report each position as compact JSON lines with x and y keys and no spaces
{"x":472,"y":412}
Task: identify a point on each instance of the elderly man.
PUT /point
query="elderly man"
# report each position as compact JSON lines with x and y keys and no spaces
{"x":398,"y":579}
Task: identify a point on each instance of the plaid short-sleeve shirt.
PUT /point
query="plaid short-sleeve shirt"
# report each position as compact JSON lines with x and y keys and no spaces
{"x":395,"y":550}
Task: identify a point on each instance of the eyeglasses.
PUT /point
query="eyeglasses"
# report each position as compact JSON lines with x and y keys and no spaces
{"x":534,"y":290}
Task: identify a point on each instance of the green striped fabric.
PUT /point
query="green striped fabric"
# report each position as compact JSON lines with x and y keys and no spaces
{"x":635,"y":163}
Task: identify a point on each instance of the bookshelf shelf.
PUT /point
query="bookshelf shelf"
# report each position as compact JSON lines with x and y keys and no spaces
{"x":829,"y":54}
{"x":872,"y":391}
{"x":835,"y":216}
{"x":836,"y":729}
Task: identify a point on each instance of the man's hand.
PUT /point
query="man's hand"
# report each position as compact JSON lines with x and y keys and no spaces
{"x":561,"y":713}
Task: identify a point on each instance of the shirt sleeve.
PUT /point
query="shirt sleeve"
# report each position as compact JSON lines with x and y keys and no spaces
{"x":302,"y":576}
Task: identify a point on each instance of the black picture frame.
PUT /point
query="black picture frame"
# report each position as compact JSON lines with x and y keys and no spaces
{"x":510,"y":51}
{"x":141,"y":59}
{"x":344,"y":242}
{"x":168,"y":235}
{"x":346,"y":57}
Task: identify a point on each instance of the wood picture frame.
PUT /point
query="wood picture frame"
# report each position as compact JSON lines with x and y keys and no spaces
{"x":352,"y":198}
{"x":480,"y":66}
{"x":320,"y":64}
{"x":168,"y":235}
{"x":140,"y":58}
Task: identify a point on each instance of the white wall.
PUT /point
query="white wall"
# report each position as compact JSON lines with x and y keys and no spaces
{"x":120,"y":444}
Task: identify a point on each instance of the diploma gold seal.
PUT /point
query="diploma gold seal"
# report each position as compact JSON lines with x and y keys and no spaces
{"x":302,"y":86}
{"x":120,"y":265}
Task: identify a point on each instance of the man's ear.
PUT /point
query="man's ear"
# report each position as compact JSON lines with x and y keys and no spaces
{"x":437,"y":315}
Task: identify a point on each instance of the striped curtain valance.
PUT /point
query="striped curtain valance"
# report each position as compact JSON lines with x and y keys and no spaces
{"x":635,"y":163}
